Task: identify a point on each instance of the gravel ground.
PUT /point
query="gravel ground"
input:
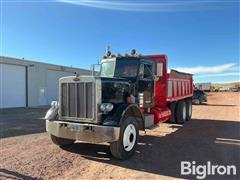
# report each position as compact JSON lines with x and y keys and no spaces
{"x":213,"y":135}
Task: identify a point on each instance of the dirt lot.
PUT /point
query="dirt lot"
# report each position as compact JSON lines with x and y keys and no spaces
{"x":213,"y":135}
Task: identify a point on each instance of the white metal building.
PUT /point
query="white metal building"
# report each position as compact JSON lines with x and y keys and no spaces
{"x":26,"y":83}
{"x":203,"y":86}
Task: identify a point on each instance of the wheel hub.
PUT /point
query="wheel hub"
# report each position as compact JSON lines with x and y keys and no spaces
{"x":131,"y":137}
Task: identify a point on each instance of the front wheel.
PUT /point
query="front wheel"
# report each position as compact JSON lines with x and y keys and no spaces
{"x":126,"y":144}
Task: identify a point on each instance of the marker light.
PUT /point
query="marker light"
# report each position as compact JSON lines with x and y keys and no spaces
{"x":109,"y":53}
{"x":119,"y":55}
{"x":133,"y":52}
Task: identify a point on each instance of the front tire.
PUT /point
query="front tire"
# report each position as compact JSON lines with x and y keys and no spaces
{"x":125,"y":147}
{"x":61,"y":141}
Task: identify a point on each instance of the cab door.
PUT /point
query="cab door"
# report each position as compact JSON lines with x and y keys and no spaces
{"x":146,"y":84}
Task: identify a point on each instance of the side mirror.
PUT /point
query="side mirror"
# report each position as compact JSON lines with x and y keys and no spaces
{"x":159,"y":70}
{"x":95,"y":69}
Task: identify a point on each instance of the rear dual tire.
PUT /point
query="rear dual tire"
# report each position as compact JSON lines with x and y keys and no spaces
{"x":189,"y":109}
{"x":181,"y":112}
{"x":184,"y":111}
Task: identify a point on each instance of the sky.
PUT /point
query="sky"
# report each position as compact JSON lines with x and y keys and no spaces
{"x":199,"y":37}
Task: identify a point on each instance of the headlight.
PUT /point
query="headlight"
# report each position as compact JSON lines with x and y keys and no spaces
{"x":106,"y":107}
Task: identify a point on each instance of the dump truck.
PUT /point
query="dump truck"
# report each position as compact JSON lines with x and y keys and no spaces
{"x":130,"y":94}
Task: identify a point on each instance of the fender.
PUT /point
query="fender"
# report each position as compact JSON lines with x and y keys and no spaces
{"x":124,"y":110}
{"x":134,"y":110}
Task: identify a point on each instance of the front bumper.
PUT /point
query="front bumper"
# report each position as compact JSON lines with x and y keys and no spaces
{"x":83,"y":132}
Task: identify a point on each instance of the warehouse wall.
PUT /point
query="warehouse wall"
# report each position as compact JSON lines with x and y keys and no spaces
{"x":37,"y":78}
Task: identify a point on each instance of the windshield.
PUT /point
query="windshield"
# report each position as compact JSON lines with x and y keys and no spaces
{"x":107,"y":68}
{"x":126,"y":68}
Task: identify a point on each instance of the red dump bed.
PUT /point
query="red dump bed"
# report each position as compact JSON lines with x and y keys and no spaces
{"x":179,"y":86}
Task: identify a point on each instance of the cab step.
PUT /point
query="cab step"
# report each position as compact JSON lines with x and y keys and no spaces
{"x":149,"y":121}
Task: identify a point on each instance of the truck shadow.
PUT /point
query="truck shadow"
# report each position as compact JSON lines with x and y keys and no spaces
{"x":199,"y":140}
{"x":21,"y":121}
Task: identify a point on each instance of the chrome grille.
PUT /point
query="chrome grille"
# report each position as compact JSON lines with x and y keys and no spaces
{"x":77,"y":100}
